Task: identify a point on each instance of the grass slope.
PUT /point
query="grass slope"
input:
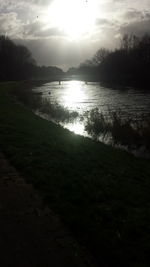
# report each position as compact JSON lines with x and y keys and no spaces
{"x":101,"y":193}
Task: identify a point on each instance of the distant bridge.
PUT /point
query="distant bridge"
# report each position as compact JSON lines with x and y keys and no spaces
{"x":61,"y":79}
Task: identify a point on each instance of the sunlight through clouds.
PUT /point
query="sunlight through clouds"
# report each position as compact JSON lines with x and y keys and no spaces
{"x":77,"y":28}
{"x":76,"y":18}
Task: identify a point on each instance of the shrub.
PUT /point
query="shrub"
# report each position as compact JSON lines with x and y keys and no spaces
{"x":132,"y":133}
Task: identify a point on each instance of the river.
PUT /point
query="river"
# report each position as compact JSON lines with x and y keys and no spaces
{"x":81,"y":97}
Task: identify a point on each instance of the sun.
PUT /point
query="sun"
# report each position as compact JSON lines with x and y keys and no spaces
{"x":74,"y":17}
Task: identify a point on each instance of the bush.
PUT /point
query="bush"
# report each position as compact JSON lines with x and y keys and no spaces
{"x":132,"y":133}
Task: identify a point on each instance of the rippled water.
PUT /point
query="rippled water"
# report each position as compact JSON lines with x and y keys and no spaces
{"x":79,"y":96}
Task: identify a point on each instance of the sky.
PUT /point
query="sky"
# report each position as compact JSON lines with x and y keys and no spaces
{"x":64,"y":33}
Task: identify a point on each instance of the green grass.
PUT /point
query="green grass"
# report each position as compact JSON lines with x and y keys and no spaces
{"x":101,"y":193}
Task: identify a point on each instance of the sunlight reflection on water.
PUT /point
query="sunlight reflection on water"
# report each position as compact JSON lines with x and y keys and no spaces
{"x":76,"y":127}
{"x":75,"y":94}
{"x":79,"y":96}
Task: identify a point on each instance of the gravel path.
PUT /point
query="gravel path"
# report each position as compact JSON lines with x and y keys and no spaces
{"x":30,"y":233}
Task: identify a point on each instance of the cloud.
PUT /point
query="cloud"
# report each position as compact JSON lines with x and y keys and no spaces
{"x":37,"y":30}
{"x":14,"y":3}
{"x":132,"y":14}
{"x":26,"y":10}
{"x":137,"y":27}
{"x":50,"y":32}
{"x":106,"y":24}
{"x":102,"y":21}
{"x":41,"y":2}
{"x":28,"y":22}
{"x":10,"y":25}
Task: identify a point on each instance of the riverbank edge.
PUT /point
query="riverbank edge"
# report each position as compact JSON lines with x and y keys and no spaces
{"x":69,"y":171}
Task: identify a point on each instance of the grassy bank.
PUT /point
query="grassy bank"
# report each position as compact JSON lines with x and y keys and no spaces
{"x":101,"y":193}
{"x":35,"y":102}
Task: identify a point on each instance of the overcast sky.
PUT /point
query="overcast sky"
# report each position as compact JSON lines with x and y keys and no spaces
{"x":66,"y":32}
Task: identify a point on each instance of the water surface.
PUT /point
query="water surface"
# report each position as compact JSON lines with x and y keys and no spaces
{"x":81,"y":97}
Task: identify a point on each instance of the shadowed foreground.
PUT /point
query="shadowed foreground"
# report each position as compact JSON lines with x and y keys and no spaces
{"x":101,"y":194}
{"x":30,"y":234}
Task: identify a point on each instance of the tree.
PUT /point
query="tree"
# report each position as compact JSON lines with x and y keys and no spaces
{"x":16,"y":61}
{"x":144,"y":48}
{"x":100,"y":55}
{"x":24,"y":55}
{"x":129,"y":42}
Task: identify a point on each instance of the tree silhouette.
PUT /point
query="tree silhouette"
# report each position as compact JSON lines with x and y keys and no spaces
{"x":100,"y":56}
{"x":128,"y":65}
{"x":16,"y":61}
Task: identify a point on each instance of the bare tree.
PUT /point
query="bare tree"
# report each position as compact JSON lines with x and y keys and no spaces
{"x":100,"y":55}
{"x":129,"y":42}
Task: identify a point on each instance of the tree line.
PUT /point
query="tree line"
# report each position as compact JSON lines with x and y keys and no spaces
{"x":17,"y":63}
{"x":128,"y":65}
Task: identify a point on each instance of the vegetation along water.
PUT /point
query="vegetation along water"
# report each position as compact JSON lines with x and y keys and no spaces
{"x":101,"y":193}
{"x":114,"y":115}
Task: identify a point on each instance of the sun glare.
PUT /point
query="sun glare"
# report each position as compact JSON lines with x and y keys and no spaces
{"x":74,"y":17}
{"x":76,"y":127}
{"x":74,"y":94}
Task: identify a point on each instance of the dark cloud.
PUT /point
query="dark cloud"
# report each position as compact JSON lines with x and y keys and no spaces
{"x":147,"y":15}
{"x":133,"y":14}
{"x":137,"y":27}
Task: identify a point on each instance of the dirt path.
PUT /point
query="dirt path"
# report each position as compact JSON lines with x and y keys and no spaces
{"x":30,"y":234}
